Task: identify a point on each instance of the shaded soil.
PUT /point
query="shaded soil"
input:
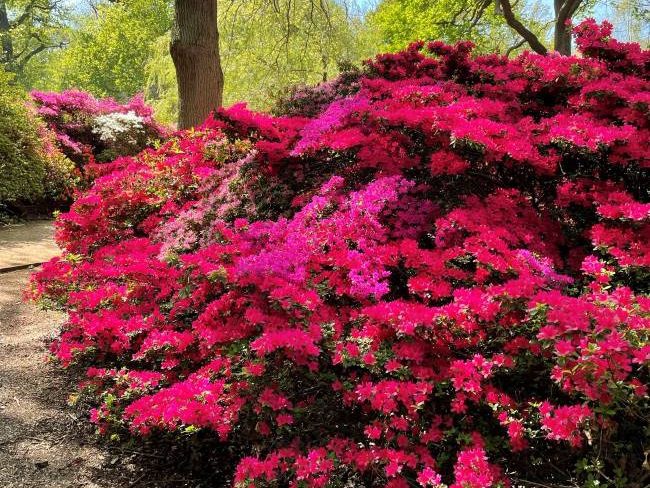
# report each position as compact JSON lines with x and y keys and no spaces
{"x":37,"y":434}
{"x":44,"y":443}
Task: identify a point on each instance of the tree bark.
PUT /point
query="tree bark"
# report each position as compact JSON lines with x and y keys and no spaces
{"x":513,"y":22}
{"x":564,"y":10}
{"x":562,"y":41}
{"x":5,"y":37}
{"x":195,"y":51}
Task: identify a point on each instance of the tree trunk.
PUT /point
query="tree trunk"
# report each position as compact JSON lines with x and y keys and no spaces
{"x":562,"y":41}
{"x":513,"y":22}
{"x":562,"y":35}
{"x":564,"y":11}
{"x":195,"y":51}
{"x":5,"y":38}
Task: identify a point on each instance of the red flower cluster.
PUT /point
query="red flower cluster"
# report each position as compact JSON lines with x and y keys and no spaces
{"x":439,"y":280}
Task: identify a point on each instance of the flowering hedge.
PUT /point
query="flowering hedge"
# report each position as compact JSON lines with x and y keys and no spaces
{"x":91,"y":131}
{"x":440,"y":279}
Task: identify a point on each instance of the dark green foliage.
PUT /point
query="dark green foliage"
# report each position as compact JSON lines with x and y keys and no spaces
{"x":22,"y":169}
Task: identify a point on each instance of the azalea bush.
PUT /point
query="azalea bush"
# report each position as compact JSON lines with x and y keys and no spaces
{"x":92,"y":131}
{"x":441,"y":279}
{"x":310,"y":100}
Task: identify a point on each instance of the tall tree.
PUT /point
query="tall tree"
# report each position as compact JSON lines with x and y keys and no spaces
{"x":27,"y":28}
{"x":195,"y":51}
{"x":564,"y":11}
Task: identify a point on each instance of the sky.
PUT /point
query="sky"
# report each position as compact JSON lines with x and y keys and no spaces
{"x":602,"y":11}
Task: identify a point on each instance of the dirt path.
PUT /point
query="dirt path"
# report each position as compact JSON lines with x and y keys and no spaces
{"x":40,"y":444}
{"x":44,"y":443}
{"x":36,"y":429}
{"x":27,"y":243}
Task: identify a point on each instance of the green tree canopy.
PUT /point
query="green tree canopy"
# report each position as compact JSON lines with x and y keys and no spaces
{"x":29,"y":28}
{"x":399,"y":22}
{"x":108,"y":50}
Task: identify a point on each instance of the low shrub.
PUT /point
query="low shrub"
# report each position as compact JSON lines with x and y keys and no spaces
{"x":308,"y":101}
{"x":440,"y":280}
{"x":32,"y":171}
{"x":90,"y":131}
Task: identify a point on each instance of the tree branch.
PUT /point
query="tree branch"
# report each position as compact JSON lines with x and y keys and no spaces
{"x":515,"y":46}
{"x":567,"y":10}
{"x":478,"y":15}
{"x":513,"y":22}
{"x":30,"y":8}
{"x":23,"y":62}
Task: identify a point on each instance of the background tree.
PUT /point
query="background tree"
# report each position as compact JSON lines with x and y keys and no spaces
{"x":266,"y":47}
{"x":399,"y":22}
{"x":109,"y":48}
{"x":194,"y":49}
{"x":27,"y":29}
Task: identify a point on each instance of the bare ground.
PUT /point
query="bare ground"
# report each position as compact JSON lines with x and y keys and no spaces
{"x":27,"y":243}
{"x":38,"y":445}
